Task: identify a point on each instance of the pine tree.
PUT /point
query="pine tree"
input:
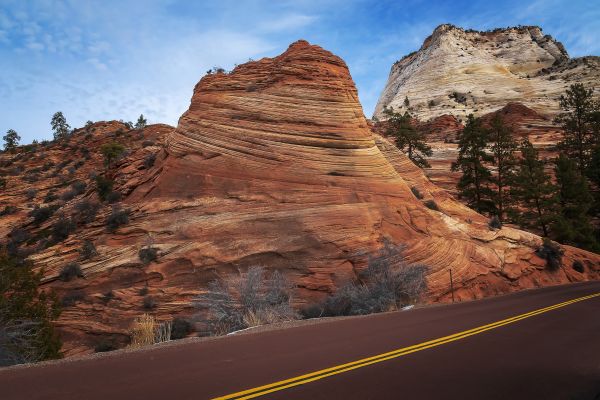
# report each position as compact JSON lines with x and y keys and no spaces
{"x":572,"y":226}
{"x":577,"y":122}
{"x":532,"y":191}
{"x":11,"y":140}
{"x":503,"y":149}
{"x":26,"y":331}
{"x":407,"y":137}
{"x":141,"y":122}
{"x":59,"y":126}
{"x":474,"y":184}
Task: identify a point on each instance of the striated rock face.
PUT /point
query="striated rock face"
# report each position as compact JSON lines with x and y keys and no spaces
{"x":275,"y":164}
{"x":460,"y":72}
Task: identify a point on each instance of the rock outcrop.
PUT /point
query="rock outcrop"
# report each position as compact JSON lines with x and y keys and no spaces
{"x":460,"y":72}
{"x":274,"y":164}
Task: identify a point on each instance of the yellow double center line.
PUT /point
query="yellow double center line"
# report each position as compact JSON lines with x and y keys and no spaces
{"x":338,"y":369}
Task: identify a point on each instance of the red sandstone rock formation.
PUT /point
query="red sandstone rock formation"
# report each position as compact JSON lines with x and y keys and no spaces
{"x":274,"y":164}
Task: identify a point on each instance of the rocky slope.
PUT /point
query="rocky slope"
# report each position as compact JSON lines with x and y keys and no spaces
{"x":274,"y":164}
{"x":459,"y":72}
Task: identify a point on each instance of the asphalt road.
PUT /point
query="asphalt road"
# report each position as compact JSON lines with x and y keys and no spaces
{"x":458,"y":351}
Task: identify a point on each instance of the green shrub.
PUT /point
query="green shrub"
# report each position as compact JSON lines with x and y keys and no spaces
{"x":103,"y":186}
{"x":432,"y":205}
{"x":148,"y":255}
{"x":69,"y":272}
{"x":578,"y":266}
{"x":117,"y":218}
{"x":552,"y":253}
{"x":416,"y":192}
{"x":180,"y":328}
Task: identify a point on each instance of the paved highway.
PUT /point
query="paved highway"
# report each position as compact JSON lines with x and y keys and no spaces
{"x":536,"y":344}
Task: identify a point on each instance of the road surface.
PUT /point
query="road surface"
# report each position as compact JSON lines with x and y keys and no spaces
{"x":536,"y":344}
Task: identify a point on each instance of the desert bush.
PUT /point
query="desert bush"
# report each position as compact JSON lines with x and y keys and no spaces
{"x":432,"y":205}
{"x":552,"y":253}
{"x":249,"y":299}
{"x":62,"y":228}
{"x":41,"y":214}
{"x":416,"y":192}
{"x":149,"y":303}
{"x":8,"y":210}
{"x":70,"y":271}
{"x":143,"y":291}
{"x":105,"y":345}
{"x":148,"y":254}
{"x":180,"y":328}
{"x":72,"y":298}
{"x":387,"y":283}
{"x":118,"y":217}
{"x":87,"y":210}
{"x":149,"y":160}
{"x":87,"y":250}
{"x":495,"y":223}
{"x":578,"y":266}
{"x":103,"y":186}
{"x":50,"y":196}
{"x":113,"y":197}
{"x":67,"y":195}
{"x":147,"y":143}
{"x":108,"y":296}
{"x":146,"y":330}
{"x":30,"y":194}
{"x":78,"y":187}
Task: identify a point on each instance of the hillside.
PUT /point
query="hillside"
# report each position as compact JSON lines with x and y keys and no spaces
{"x":273,"y":164}
{"x":460,"y":72}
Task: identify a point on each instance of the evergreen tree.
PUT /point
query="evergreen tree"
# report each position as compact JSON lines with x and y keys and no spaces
{"x":26,"y":331}
{"x":406,"y":102}
{"x":572,"y":225}
{"x":532,"y":191}
{"x":577,"y":121}
{"x":503,"y":149}
{"x":59,"y":126}
{"x":474,"y":184}
{"x":11,"y":140}
{"x":141,"y":122}
{"x":111,"y":152}
{"x":407,"y":137}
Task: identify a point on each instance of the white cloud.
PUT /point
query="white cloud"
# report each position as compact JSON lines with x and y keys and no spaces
{"x":286,"y":23}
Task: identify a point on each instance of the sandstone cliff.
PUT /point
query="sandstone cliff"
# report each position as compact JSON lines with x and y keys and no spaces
{"x":459,"y":72}
{"x":274,"y":164}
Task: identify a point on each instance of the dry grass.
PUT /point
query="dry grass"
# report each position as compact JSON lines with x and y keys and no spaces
{"x":146,"y":331}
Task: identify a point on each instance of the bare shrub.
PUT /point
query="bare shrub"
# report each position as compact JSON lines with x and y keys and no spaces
{"x":117,"y":218}
{"x":416,"y":192}
{"x":387,"y":284}
{"x":88,"y":250}
{"x":149,"y":303}
{"x":432,"y":205}
{"x":180,"y":328}
{"x":248,"y":299}
{"x":18,"y":342}
{"x":87,"y":210}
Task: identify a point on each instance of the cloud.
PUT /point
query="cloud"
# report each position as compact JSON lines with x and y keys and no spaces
{"x":287,"y":23}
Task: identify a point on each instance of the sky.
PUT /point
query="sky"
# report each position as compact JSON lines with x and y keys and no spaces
{"x":104,"y":60}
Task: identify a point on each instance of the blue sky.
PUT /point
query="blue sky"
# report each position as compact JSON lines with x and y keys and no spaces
{"x":100,"y":60}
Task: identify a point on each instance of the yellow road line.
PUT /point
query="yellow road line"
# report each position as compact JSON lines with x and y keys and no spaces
{"x":338,"y":369}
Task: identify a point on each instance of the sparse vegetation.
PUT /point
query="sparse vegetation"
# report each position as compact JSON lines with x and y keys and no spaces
{"x":387,"y":283}
{"x":432,"y":205}
{"x":146,"y":330}
{"x":70,"y":272}
{"x":148,"y":255}
{"x":118,"y":217}
{"x":149,"y":160}
{"x":86,"y":210}
{"x":62,"y":228}
{"x":41,"y":214}
{"x":578,"y":266}
{"x":552,"y":253}
{"x":103,"y":186}
{"x":495,"y":223}
{"x":149,"y":303}
{"x":111,"y":153}
{"x":26,"y":331}
{"x":88,"y":250}
{"x":180,"y":328}
{"x":416,"y":192}
{"x":249,"y":299}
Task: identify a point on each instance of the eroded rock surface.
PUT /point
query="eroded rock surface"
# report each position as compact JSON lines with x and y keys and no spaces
{"x":460,"y":72}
